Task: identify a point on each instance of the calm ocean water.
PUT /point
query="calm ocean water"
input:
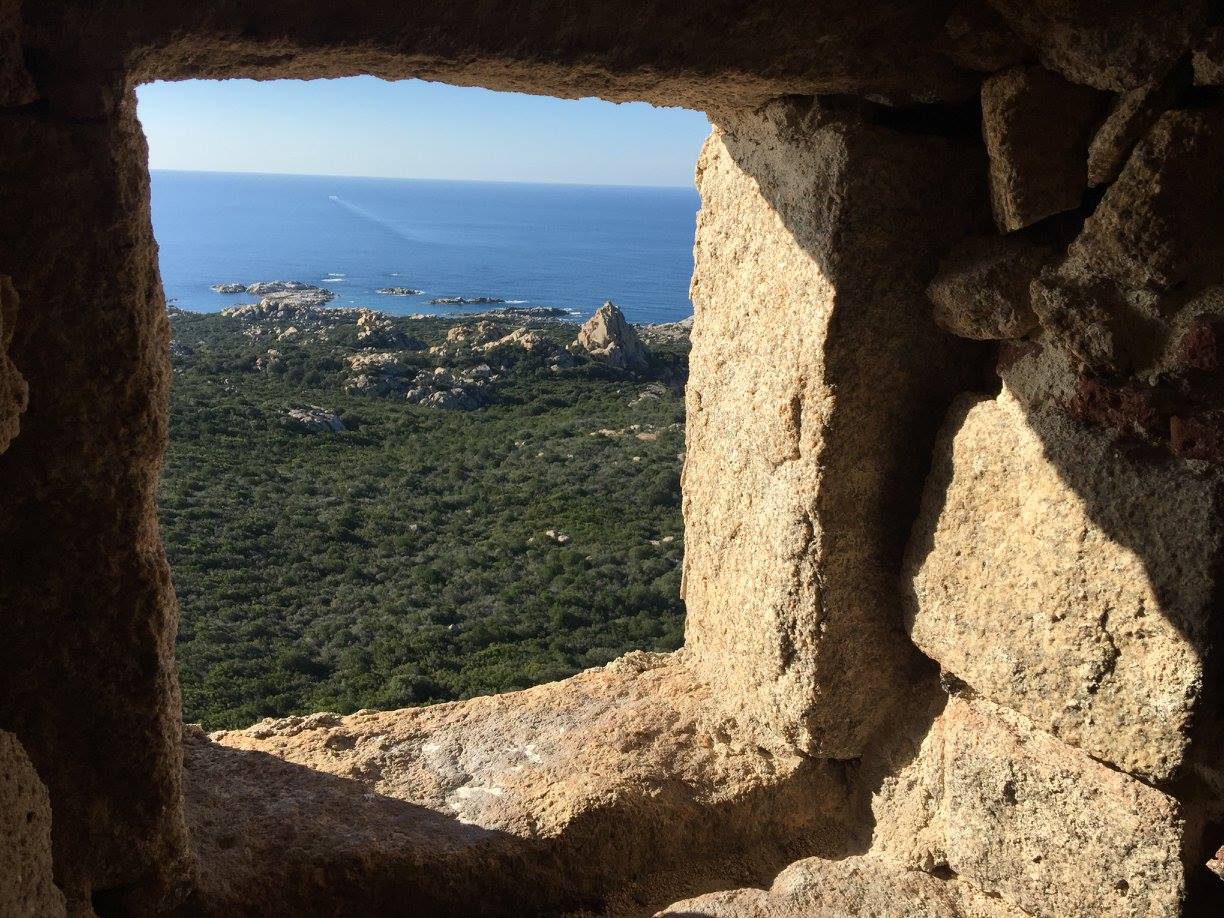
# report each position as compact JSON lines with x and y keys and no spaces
{"x":572,"y":246}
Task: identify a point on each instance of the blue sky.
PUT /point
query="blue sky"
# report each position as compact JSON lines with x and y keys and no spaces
{"x":413,"y":129}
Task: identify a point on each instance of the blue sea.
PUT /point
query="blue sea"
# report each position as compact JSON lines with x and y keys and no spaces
{"x":570,"y":246}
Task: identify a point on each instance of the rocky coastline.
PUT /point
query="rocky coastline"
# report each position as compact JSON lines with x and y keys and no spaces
{"x":386,"y":356}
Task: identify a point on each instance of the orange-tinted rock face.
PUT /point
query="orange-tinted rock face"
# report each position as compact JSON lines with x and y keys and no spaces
{"x":850,"y":159}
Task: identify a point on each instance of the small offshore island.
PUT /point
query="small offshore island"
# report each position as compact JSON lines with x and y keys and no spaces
{"x":371,"y":511}
{"x":465,"y":301}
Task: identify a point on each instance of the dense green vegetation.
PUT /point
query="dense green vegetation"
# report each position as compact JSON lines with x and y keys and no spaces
{"x":404,"y":560}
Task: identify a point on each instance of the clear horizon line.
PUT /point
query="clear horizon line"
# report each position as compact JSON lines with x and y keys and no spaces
{"x":414,"y":178}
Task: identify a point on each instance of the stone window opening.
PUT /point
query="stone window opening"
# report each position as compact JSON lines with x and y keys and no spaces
{"x":950,"y":493}
{"x":312,"y":584}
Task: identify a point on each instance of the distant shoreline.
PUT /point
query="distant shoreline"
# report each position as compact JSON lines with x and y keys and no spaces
{"x":407,"y":178}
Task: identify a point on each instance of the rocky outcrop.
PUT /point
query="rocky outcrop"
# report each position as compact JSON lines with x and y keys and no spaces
{"x":533,"y":312}
{"x":271,"y":288}
{"x":668,"y":331}
{"x":289,"y":307}
{"x":452,"y":389}
{"x":376,"y":329}
{"x":484,"y":338}
{"x":313,"y":419}
{"x":268,"y":288}
{"x":26,"y":887}
{"x":608,"y":338}
{"x":525,"y":338}
{"x":379,"y":362}
{"x":398,"y":291}
{"x":296,"y":313}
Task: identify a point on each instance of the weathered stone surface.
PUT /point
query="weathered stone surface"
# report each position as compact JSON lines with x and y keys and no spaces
{"x":803,"y":455}
{"x":863,"y":885}
{"x":609,"y":338}
{"x":1154,"y":238}
{"x":1063,"y":578}
{"x":982,"y":289}
{"x":509,"y":804}
{"x":818,"y":382}
{"x":1109,"y":44}
{"x":313,"y":419}
{"x":1018,"y":814}
{"x":699,"y":56}
{"x":1208,"y":58}
{"x":1132,"y":115}
{"x":26,"y":887}
{"x":1158,"y":225}
{"x":1037,"y":127}
{"x":1216,"y":863}
{"x":1039,"y":373}
{"x":16,"y":87}
{"x":976,"y":37}
{"x":87,"y":678}
{"x":14,"y":393}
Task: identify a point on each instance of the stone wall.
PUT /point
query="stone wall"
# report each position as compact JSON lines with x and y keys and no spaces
{"x":89,"y":615}
{"x":952,"y":490}
{"x":817,"y":383}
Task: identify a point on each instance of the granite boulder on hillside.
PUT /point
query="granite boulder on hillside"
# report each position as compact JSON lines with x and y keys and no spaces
{"x":609,"y":338}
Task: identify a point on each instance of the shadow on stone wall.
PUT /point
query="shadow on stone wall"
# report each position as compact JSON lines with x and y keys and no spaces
{"x":820,"y":231}
{"x":1066,"y":562}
